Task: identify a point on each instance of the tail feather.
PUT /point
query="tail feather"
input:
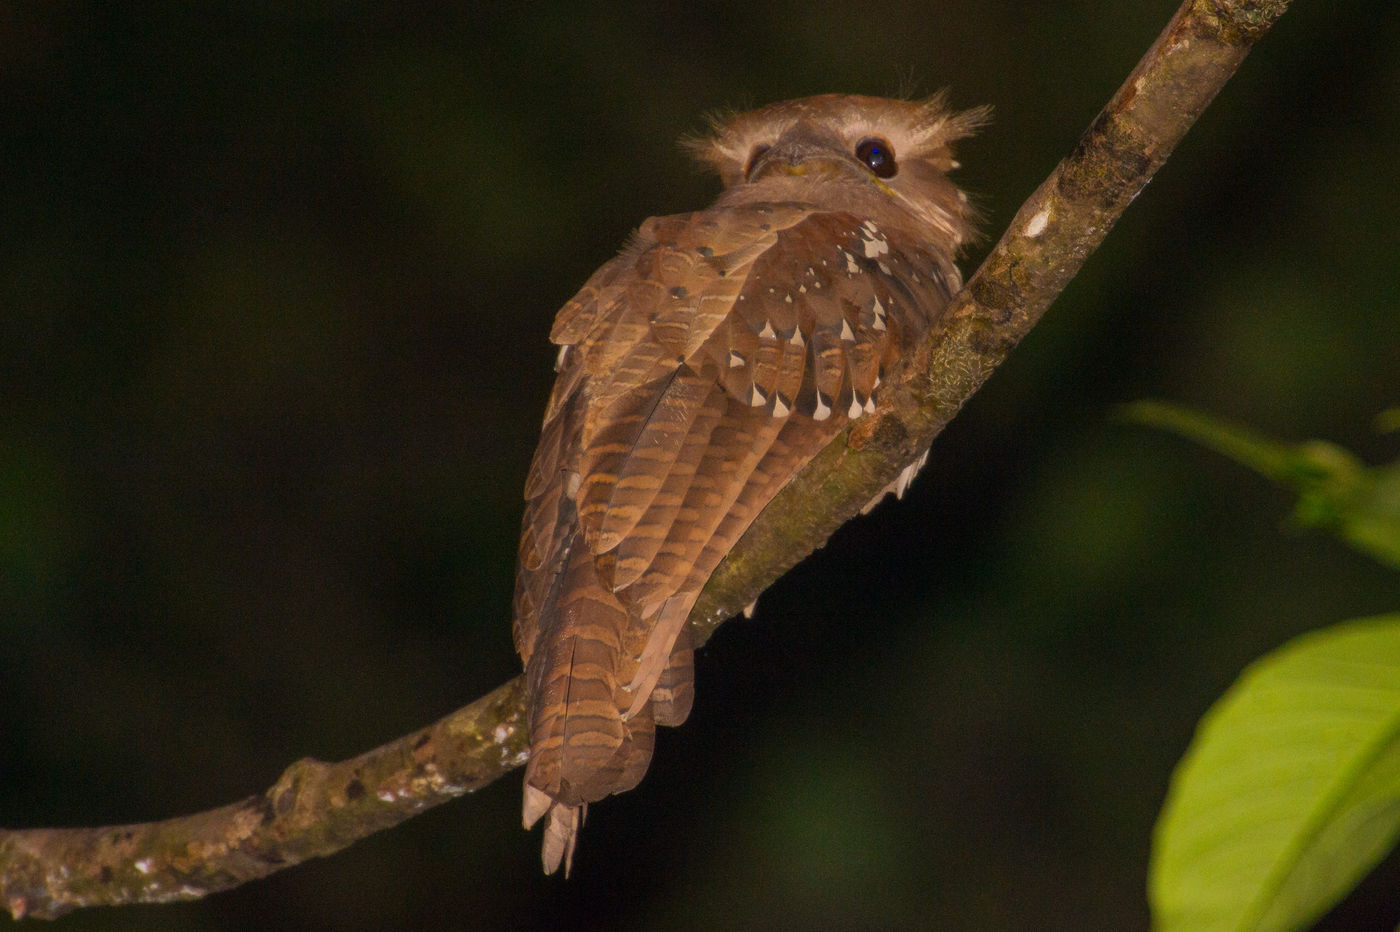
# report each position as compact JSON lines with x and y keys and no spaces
{"x":584,"y":743}
{"x":560,"y":829}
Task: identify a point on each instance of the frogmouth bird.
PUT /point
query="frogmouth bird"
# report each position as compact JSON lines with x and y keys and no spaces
{"x":698,"y":371}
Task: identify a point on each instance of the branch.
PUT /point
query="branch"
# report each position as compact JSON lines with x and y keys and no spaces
{"x":316,"y":809}
{"x":313,"y":809}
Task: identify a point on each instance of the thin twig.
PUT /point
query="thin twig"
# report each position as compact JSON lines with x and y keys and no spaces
{"x":316,"y":809}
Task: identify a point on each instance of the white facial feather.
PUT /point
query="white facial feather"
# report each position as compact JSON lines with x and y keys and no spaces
{"x":921,"y":129}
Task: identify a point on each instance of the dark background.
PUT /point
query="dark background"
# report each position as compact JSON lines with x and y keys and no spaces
{"x":275,"y":285}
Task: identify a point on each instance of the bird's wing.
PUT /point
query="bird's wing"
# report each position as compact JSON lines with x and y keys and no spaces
{"x":702,"y":369}
{"x":734,"y":346}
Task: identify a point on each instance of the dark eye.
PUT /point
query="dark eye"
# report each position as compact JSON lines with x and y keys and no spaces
{"x":754,"y":156}
{"x":878,"y":156}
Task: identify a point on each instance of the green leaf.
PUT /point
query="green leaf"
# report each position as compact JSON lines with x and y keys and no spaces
{"x":1336,"y":491}
{"x":1290,"y":791}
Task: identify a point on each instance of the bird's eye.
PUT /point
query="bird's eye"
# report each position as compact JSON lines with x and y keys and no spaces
{"x":878,"y":156}
{"x":754,"y":156}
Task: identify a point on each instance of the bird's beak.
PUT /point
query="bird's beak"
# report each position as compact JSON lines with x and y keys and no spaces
{"x":802,"y":150}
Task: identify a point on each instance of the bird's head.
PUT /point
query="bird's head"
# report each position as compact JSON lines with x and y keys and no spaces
{"x":840,"y":151}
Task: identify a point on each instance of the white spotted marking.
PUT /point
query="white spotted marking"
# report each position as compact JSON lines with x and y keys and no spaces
{"x":855,"y":410}
{"x":736,"y":359}
{"x":801,"y":289}
{"x":1039,"y":222}
{"x":563,"y":355}
{"x":870,"y":405}
{"x":780,"y":407}
{"x":822,"y":411}
{"x":767,"y":333}
{"x":788,"y":298}
{"x":846,"y":333}
{"x":885,"y":268}
{"x":796,"y":338}
{"x":145,"y":865}
{"x":571,"y":483}
{"x":876,"y":247}
{"x":756,"y":397}
{"x":851,"y":267}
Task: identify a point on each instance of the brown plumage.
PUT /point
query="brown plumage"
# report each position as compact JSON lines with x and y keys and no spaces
{"x":698,"y":372}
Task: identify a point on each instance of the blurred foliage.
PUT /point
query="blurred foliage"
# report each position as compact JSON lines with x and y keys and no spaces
{"x":1288,"y":794}
{"x":1290,"y":791}
{"x":277,"y":281}
{"x":1336,"y":492}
